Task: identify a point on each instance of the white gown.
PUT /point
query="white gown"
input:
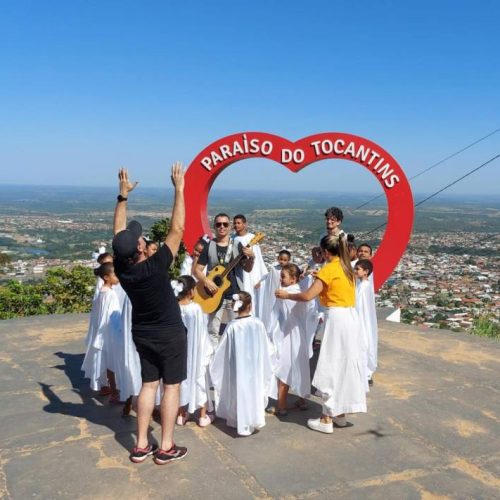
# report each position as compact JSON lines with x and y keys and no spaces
{"x":265,"y":298}
{"x":106,"y":322}
{"x":293,"y":335}
{"x":128,"y":370}
{"x":195,"y":389}
{"x":340,"y":375}
{"x":365,"y":305}
{"x":98,"y":285}
{"x":259,"y":270}
{"x":186,"y":266}
{"x":242,"y":375}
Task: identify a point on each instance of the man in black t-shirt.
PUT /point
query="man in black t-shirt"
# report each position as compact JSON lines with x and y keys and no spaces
{"x":157,"y":329}
{"x":220,"y":251}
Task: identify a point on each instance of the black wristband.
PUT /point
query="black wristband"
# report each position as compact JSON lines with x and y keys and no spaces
{"x":121,"y":198}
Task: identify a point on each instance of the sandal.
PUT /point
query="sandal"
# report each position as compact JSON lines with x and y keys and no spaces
{"x":301,"y":405}
{"x":114,"y":399}
{"x":128,"y":407}
{"x":272,"y":410}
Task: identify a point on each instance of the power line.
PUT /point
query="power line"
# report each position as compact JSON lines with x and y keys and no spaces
{"x":434,"y":165}
{"x":439,"y":191}
{"x":458,"y":180}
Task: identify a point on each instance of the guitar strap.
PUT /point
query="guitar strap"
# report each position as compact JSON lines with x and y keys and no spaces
{"x":213,"y":258}
{"x":229,"y":252}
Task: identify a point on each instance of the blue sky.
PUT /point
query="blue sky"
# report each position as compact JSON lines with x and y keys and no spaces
{"x":89,"y":86}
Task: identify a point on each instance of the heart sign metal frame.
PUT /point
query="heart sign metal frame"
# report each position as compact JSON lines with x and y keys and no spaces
{"x":295,"y":156}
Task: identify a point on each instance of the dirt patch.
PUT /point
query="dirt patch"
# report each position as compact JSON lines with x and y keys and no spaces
{"x":449,"y":350}
{"x":465,"y":428}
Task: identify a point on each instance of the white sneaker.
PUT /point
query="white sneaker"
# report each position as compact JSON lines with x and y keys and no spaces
{"x":206,"y":420}
{"x":317,"y":425}
{"x":339,"y":421}
{"x":181,"y":420}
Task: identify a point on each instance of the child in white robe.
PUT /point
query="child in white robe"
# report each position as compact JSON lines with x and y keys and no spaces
{"x":241,"y":371}
{"x":365,"y":305}
{"x":98,"y":363}
{"x":340,"y":377}
{"x":190,"y":261}
{"x":101,"y":259}
{"x":265,"y":294}
{"x":195,"y":389}
{"x":292,"y":336}
{"x":249,"y":281}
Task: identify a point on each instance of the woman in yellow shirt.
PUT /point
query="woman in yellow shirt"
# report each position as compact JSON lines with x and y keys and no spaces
{"x":340,"y":373}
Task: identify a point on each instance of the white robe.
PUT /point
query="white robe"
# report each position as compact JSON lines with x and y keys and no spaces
{"x":242,"y":375}
{"x":259,"y":270}
{"x":340,"y":375}
{"x":128,"y":370}
{"x":186,"y":266}
{"x":293,"y":335}
{"x":195,"y":389}
{"x":106,"y":322}
{"x":265,"y":298}
{"x":365,"y":305}
{"x":98,"y":285}
{"x":114,"y":346}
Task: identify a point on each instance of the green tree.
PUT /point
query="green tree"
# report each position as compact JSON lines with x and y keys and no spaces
{"x":61,"y":291}
{"x":486,"y":327}
{"x":19,"y":299}
{"x":157,"y":233}
{"x":4,"y":259}
{"x":69,"y":290}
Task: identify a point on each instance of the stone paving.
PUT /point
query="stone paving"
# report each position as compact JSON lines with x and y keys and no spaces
{"x":432,"y":431}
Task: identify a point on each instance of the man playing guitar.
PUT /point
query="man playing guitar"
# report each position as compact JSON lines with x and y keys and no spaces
{"x":220,"y":251}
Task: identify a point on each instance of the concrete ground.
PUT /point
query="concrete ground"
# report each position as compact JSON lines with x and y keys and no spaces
{"x":432,"y":430}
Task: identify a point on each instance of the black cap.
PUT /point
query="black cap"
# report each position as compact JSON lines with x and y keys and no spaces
{"x":125,"y":242}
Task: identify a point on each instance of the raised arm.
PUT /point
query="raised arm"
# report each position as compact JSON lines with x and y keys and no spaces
{"x":124,"y":187}
{"x":313,"y":291}
{"x":174,"y":236}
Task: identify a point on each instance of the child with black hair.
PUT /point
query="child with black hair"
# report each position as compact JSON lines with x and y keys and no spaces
{"x":365,"y":305}
{"x":292,"y":336}
{"x":194,"y":393}
{"x":105,"y":323}
{"x":241,"y":371}
{"x":151,"y":248}
{"x":103,"y":258}
{"x":265,"y":295}
{"x":351,"y":247}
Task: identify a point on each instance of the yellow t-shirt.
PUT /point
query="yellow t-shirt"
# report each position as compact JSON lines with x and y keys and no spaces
{"x":338,"y":290}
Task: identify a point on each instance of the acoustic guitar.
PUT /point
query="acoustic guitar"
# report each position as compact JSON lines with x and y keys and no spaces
{"x":208,"y":302}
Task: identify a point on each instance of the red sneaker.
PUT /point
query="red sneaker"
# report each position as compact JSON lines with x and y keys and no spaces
{"x":162,"y":457}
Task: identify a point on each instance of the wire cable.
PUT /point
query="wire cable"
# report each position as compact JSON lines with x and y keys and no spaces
{"x":456,"y":153}
{"x":440,"y":190}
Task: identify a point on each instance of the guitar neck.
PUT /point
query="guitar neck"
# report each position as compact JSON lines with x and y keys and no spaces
{"x":237,"y":259}
{"x":231,"y":265}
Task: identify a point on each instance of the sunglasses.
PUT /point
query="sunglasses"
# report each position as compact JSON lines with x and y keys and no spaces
{"x":222,"y":224}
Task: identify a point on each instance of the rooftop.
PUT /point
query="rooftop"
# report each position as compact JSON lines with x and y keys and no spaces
{"x":432,"y":430}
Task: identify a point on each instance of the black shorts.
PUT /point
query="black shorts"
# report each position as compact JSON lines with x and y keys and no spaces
{"x":164,"y":359}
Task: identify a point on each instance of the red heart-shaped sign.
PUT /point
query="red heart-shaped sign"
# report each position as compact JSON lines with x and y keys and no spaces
{"x":205,"y":168}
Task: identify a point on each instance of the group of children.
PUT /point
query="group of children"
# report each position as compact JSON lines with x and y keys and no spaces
{"x":263,"y":353}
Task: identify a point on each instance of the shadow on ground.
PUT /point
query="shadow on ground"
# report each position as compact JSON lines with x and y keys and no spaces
{"x":91,"y":407}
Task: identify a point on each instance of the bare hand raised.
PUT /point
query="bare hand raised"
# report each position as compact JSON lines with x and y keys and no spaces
{"x":177,"y":175}
{"x":124,"y":184}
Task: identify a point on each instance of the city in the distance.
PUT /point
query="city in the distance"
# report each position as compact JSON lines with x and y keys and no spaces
{"x":449,"y":276}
